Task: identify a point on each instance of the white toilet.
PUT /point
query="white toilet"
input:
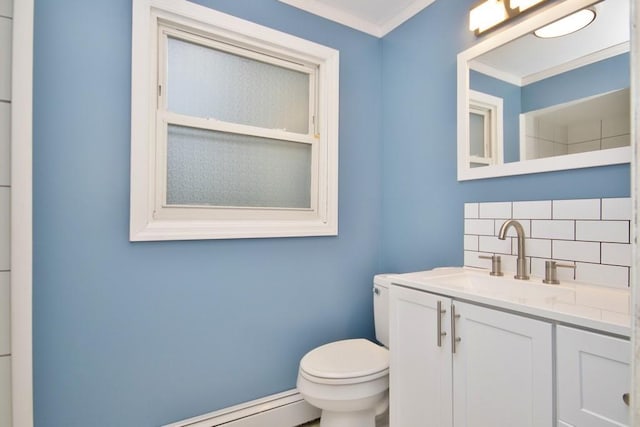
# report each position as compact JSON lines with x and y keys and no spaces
{"x":349,"y":380}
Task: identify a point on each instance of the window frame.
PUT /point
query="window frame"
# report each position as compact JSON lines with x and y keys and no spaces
{"x":154,"y":21}
{"x":491,"y":108}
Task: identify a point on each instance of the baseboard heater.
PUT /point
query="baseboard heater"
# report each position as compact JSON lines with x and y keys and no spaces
{"x":287,"y":409}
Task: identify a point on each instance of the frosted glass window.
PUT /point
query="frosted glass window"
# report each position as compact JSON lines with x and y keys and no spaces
{"x":223,"y":169}
{"x":476,"y":134}
{"x":210,"y":83}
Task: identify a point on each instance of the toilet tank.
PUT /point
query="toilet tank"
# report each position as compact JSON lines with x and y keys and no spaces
{"x":381,"y":283}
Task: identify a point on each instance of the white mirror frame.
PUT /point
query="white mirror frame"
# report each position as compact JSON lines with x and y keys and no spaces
{"x":570,"y":161}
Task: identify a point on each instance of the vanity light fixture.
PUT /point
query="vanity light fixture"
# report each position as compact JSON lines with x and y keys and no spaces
{"x":523,"y":5}
{"x":488,"y":14}
{"x":567,"y":25}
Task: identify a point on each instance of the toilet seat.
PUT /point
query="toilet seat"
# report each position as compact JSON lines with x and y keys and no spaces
{"x":345,"y":362}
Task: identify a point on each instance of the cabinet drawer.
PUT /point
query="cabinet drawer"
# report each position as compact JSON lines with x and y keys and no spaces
{"x":593,"y":375}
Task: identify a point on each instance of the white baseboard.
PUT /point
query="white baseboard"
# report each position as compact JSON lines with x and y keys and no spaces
{"x":287,"y":409}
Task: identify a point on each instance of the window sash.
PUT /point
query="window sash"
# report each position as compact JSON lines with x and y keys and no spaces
{"x":165,"y":117}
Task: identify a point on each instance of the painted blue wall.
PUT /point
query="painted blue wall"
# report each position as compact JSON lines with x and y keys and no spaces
{"x":422,"y":200}
{"x":141,"y":334}
{"x":593,"y":79}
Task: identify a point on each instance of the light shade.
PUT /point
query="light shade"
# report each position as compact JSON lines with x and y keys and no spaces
{"x":523,"y":4}
{"x":567,"y":25}
{"x":487,"y":15}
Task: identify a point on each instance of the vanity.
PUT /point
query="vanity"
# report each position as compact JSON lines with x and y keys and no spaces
{"x":471,"y":350}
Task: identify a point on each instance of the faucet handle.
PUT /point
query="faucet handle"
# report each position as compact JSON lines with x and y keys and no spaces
{"x":551,"y":271}
{"x":496,"y":264}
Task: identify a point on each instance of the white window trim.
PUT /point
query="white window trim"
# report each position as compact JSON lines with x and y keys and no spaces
{"x":480,"y":102}
{"x":224,"y":223}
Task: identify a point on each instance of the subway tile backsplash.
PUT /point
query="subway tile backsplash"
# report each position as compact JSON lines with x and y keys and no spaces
{"x":593,"y":234}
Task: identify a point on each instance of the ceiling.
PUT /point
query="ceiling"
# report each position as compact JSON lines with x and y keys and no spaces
{"x":375,"y":17}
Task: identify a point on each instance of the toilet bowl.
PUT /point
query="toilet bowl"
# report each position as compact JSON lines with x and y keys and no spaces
{"x":349,"y":380}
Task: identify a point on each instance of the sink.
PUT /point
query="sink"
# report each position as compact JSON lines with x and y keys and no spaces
{"x":480,"y":283}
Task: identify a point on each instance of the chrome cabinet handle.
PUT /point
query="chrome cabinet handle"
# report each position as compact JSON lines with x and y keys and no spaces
{"x":626,"y":398}
{"x":454,"y":340}
{"x":439,"y":332}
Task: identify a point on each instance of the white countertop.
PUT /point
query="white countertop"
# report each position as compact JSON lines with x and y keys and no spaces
{"x":580,"y":304}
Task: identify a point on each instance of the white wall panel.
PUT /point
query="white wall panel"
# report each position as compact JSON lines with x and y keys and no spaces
{"x":5,"y":391}
{"x":6,"y":8}
{"x":5,"y":145}
{"x":5,"y":228}
{"x":5,"y":58}
{"x":5,"y":314}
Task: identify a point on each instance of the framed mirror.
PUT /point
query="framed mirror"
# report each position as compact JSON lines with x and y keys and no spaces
{"x":529,"y":103}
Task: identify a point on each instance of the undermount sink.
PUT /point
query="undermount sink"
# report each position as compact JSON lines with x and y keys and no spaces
{"x":481,"y":283}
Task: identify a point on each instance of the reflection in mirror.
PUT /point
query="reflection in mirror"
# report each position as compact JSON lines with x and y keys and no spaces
{"x":561,"y":98}
{"x":589,"y":124}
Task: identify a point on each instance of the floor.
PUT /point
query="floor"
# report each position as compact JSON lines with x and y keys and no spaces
{"x":381,"y":421}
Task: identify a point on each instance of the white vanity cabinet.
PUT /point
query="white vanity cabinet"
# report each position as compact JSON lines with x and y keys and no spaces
{"x":499,"y":373}
{"x":593,"y":375}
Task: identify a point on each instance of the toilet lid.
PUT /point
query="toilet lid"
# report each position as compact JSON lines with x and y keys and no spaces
{"x":346,"y":359}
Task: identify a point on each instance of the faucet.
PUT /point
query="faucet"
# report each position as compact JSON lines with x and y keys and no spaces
{"x":521,"y":272}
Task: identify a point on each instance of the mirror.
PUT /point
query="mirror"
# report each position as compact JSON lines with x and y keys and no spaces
{"x":528,"y":104}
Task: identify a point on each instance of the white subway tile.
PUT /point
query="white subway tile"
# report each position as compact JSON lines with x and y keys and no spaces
{"x":559,"y":149}
{"x":5,"y":314}
{"x":576,"y":251}
{"x":5,"y":391}
{"x":613,"y":317}
{"x":5,"y":145}
{"x":603,"y":231}
{"x":472,"y":259}
{"x":511,"y":232}
{"x":616,"y":141}
{"x":495,"y":245}
{"x":483,"y":227}
{"x":532,"y":210}
{"x":584,"y":131}
{"x":6,"y":9}
{"x":546,"y":130}
{"x":615,"y":126}
{"x":510,"y":264}
{"x":538,"y":269}
{"x":540,"y":248}
{"x":616,"y":254}
{"x":552,"y":229}
{"x":606,"y":275}
{"x":576,"y":209}
{"x":584,"y":147}
{"x":470,"y":243}
{"x":5,"y":58}
{"x":495,"y":210}
{"x":5,"y":228}
{"x":471,"y":210}
{"x":616,"y":208}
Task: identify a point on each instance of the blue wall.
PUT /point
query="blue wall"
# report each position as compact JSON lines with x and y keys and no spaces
{"x":141,"y":334}
{"x":593,"y":79}
{"x":422,"y":201}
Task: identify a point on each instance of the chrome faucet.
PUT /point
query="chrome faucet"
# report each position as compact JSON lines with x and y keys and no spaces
{"x":521,"y":272}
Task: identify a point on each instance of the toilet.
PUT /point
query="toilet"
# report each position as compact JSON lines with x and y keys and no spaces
{"x":349,"y":380}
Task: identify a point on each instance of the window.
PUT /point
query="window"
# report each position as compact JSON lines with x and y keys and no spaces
{"x":234,"y":128}
{"x":485,"y":129}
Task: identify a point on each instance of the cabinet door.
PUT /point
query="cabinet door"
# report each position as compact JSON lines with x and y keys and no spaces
{"x":420,"y":371}
{"x":593,"y":374}
{"x":502,"y":369}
